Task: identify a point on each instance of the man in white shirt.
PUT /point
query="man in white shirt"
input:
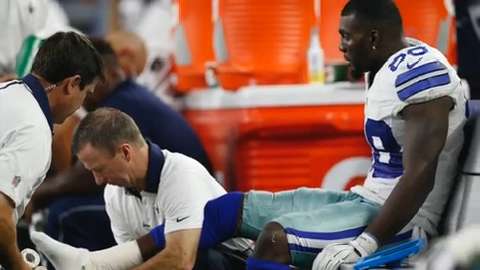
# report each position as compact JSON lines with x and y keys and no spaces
{"x":146,"y":187}
{"x":66,"y":68}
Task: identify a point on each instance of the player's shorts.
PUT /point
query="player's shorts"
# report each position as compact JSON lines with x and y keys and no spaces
{"x":312,"y":218}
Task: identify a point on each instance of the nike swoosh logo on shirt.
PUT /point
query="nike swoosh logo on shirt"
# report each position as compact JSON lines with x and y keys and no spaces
{"x":414,"y":64}
{"x":182,"y":219}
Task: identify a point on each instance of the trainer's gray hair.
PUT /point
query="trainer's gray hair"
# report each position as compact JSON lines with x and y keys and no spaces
{"x":106,"y":128}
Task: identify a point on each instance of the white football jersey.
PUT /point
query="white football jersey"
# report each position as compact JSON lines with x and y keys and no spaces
{"x":415,"y":74}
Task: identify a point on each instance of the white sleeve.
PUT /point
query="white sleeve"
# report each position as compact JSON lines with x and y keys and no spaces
{"x":185,"y":196}
{"x":423,"y":78}
{"x":25,"y":154}
{"x":429,"y":81}
{"x":120,"y":229}
{"x":33,"y":14}
{"x":19,"y":19}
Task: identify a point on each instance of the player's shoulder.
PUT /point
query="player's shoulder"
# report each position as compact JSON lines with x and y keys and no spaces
{"x":9,"y":86}
{"x":419,"y":57}
{"x":17,"y":102}
{"x":112,"y":192}
{"x":419,"y":72}
{"x":175,"y":161}
{"x":118,"y":197}
{"x":15,"y":92}
{"x":180,"y":168}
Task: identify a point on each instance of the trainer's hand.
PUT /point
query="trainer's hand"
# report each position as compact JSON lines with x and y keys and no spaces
{"x":333,"y":255}
{"x":62,"y":256}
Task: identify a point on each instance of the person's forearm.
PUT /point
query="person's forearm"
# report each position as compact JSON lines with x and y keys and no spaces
{"x":401,"y":206}
{"x":10,"y":257}
{"x":149,"y":246}
{"x":166,"y":260}
{"x":179,"y":249}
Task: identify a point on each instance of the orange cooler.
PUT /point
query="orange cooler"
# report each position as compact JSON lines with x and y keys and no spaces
{"x":282,"y":137}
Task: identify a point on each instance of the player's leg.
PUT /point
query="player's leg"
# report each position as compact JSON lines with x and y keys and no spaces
{"x":261,"y":207}
{"x":296,"y":238}
{"x":245,"y":214}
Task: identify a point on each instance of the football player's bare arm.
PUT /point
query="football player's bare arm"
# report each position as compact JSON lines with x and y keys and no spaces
{"x":179,"y":253}
{"x":10,"y":257}
{"x":426,"y":126}
{"x":147,"y":246}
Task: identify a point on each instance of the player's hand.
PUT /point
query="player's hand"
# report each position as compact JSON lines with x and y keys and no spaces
{"x":333,"y":255}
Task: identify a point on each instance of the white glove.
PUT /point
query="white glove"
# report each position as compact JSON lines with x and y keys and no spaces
{"x":62,"y":256}
{"x":333,"y":255}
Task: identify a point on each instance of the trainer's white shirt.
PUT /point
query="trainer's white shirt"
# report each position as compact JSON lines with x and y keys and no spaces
{"x":415,"y":74}
{"x":178,"y":187}
{"x":25,"y":139}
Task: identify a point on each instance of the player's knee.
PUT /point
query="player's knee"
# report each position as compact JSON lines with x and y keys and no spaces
{"x":272,"y":244}
{"x":221,"y":218}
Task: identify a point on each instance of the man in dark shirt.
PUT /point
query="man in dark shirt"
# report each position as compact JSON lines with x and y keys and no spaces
{"x":156,"y":120}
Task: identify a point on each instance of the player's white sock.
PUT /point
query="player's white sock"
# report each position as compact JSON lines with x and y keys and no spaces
{"x":62,"y":256}
{"x":65,"y":257}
